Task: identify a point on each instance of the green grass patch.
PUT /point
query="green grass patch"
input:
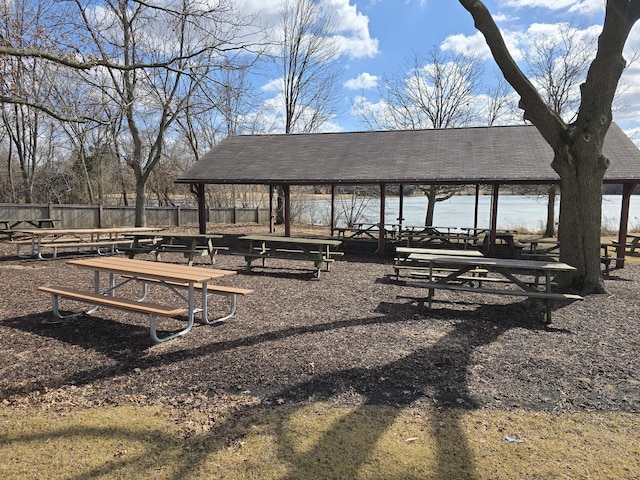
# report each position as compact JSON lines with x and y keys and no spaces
{"x":316,"y":441}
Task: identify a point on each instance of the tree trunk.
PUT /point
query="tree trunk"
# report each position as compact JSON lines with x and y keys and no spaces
{"x":431,"y":194}
{"x":551,"y":211}
{"x":581,"y":167}
{"x":141,"y":220}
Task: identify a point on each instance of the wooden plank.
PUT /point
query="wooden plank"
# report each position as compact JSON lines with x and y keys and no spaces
{"x":99,"y":243}
{"x":439,"y":251}
{"x":163,"y":271}
{"x":120,"y":303}
{"x":493,"y":291}
{"x":490,"y":262}
{"x":292,"y":240}
{"x":224,"y":289}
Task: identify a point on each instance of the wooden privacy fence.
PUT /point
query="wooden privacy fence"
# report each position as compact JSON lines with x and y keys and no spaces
{"x":99,"y":216}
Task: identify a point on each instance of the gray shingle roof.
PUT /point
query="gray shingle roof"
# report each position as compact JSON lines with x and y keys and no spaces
{"x":511,"y":154}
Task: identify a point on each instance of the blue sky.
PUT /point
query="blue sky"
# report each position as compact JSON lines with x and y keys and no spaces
{"x":379,"y":37}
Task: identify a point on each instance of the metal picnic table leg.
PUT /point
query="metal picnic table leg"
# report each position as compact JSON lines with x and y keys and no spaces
{"x":205,"y":315}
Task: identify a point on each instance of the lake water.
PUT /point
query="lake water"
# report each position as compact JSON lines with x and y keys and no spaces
{"x":514,"y":211}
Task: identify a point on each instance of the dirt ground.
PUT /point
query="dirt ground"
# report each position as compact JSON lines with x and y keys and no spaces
{"x":353,"y":336}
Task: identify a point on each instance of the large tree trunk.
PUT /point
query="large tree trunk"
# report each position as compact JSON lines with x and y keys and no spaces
{"x":577,"y":147}
{"x":141,"y":220}
{"x":581,"y":167}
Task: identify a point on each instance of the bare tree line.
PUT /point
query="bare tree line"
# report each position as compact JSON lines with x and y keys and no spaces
{"x":117,"y":98}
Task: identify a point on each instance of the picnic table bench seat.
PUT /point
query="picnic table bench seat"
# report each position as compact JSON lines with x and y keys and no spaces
{"x":411,"y":266}
{"x":224,"y":290}
{"x":519,"y":293}
{"x":154,"y":310}
{"x":480,"y":279}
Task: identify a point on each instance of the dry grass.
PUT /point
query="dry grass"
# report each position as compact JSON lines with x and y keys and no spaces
{"x":317,"y":441}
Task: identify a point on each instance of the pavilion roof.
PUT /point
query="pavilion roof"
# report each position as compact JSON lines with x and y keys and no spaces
{"x":482,"y":155}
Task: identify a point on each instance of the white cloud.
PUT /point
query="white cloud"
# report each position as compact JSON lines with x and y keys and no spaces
{"x":354,"y":39}
{"x":584,"y":7}
{"x":274,"y":85}
{"x":518,"y":42}
{"x":476,"y":46}
{"x":351,"y":26}
{"x":363,"y":81}
{"x":469,"y":45}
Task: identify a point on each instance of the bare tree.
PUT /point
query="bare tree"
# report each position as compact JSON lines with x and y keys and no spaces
{"x":186,"y":40}
{"x":433,"y":92}
{"x":437,"y":92}
{"x":306,"y":58}
{"x":577,"y":145}
{"x":146,"y":60}
{"x":21,"y":26}
{"x":557,"y":64}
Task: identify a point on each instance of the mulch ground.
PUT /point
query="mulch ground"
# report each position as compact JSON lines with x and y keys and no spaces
{"x":354,"y":336}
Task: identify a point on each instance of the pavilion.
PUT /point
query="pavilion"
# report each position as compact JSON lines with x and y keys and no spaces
{"x":492,"y":156}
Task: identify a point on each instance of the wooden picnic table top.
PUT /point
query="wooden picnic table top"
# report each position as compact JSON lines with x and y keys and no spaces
{"x":81,"y":231}
{"x":546,"y":240}
{"x":439,"y":251}
{"x":158,"y":270}
{"x":159,"y":233}
{"x":11,"y":223}
{"x":292,"y":240}
{"x":28,"y":220}
{"x":490,"y":262}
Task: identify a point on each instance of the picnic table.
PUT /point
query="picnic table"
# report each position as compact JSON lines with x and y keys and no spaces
{"x":191,"y":245}
{"x":100,"y":240}
{"x":633,"y":241}
{"x":321,"y":251}
{"x":174,"y":278}
{"x":540,"y":247}
{"x":367,"y":231}
{"x":8,"y":225}
{"x":549,"y":249}
{"x":505,"y":268}
{"x":506,"y":245}
{"x":404,"y":260}
{"x":437,"y":236}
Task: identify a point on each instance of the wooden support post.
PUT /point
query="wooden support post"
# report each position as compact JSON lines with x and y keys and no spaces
{"x":198,"y":190}
{"x":475,"y":212}
{"x":400,"y":208}
{"x":287,"y":210}
{"x":333,"y":209}
{"x":627,"y":191}
{"x":272,"y":220}
{"x":381,"y":231}
{"x":494,"y":220}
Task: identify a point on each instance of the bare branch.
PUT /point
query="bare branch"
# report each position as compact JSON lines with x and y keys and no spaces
{"x":535,"y":109}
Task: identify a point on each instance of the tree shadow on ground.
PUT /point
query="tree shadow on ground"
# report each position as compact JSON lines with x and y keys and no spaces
{"x":436,"y":375}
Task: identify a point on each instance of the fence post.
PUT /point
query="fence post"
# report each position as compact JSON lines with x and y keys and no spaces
{"x":178,"y":219}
